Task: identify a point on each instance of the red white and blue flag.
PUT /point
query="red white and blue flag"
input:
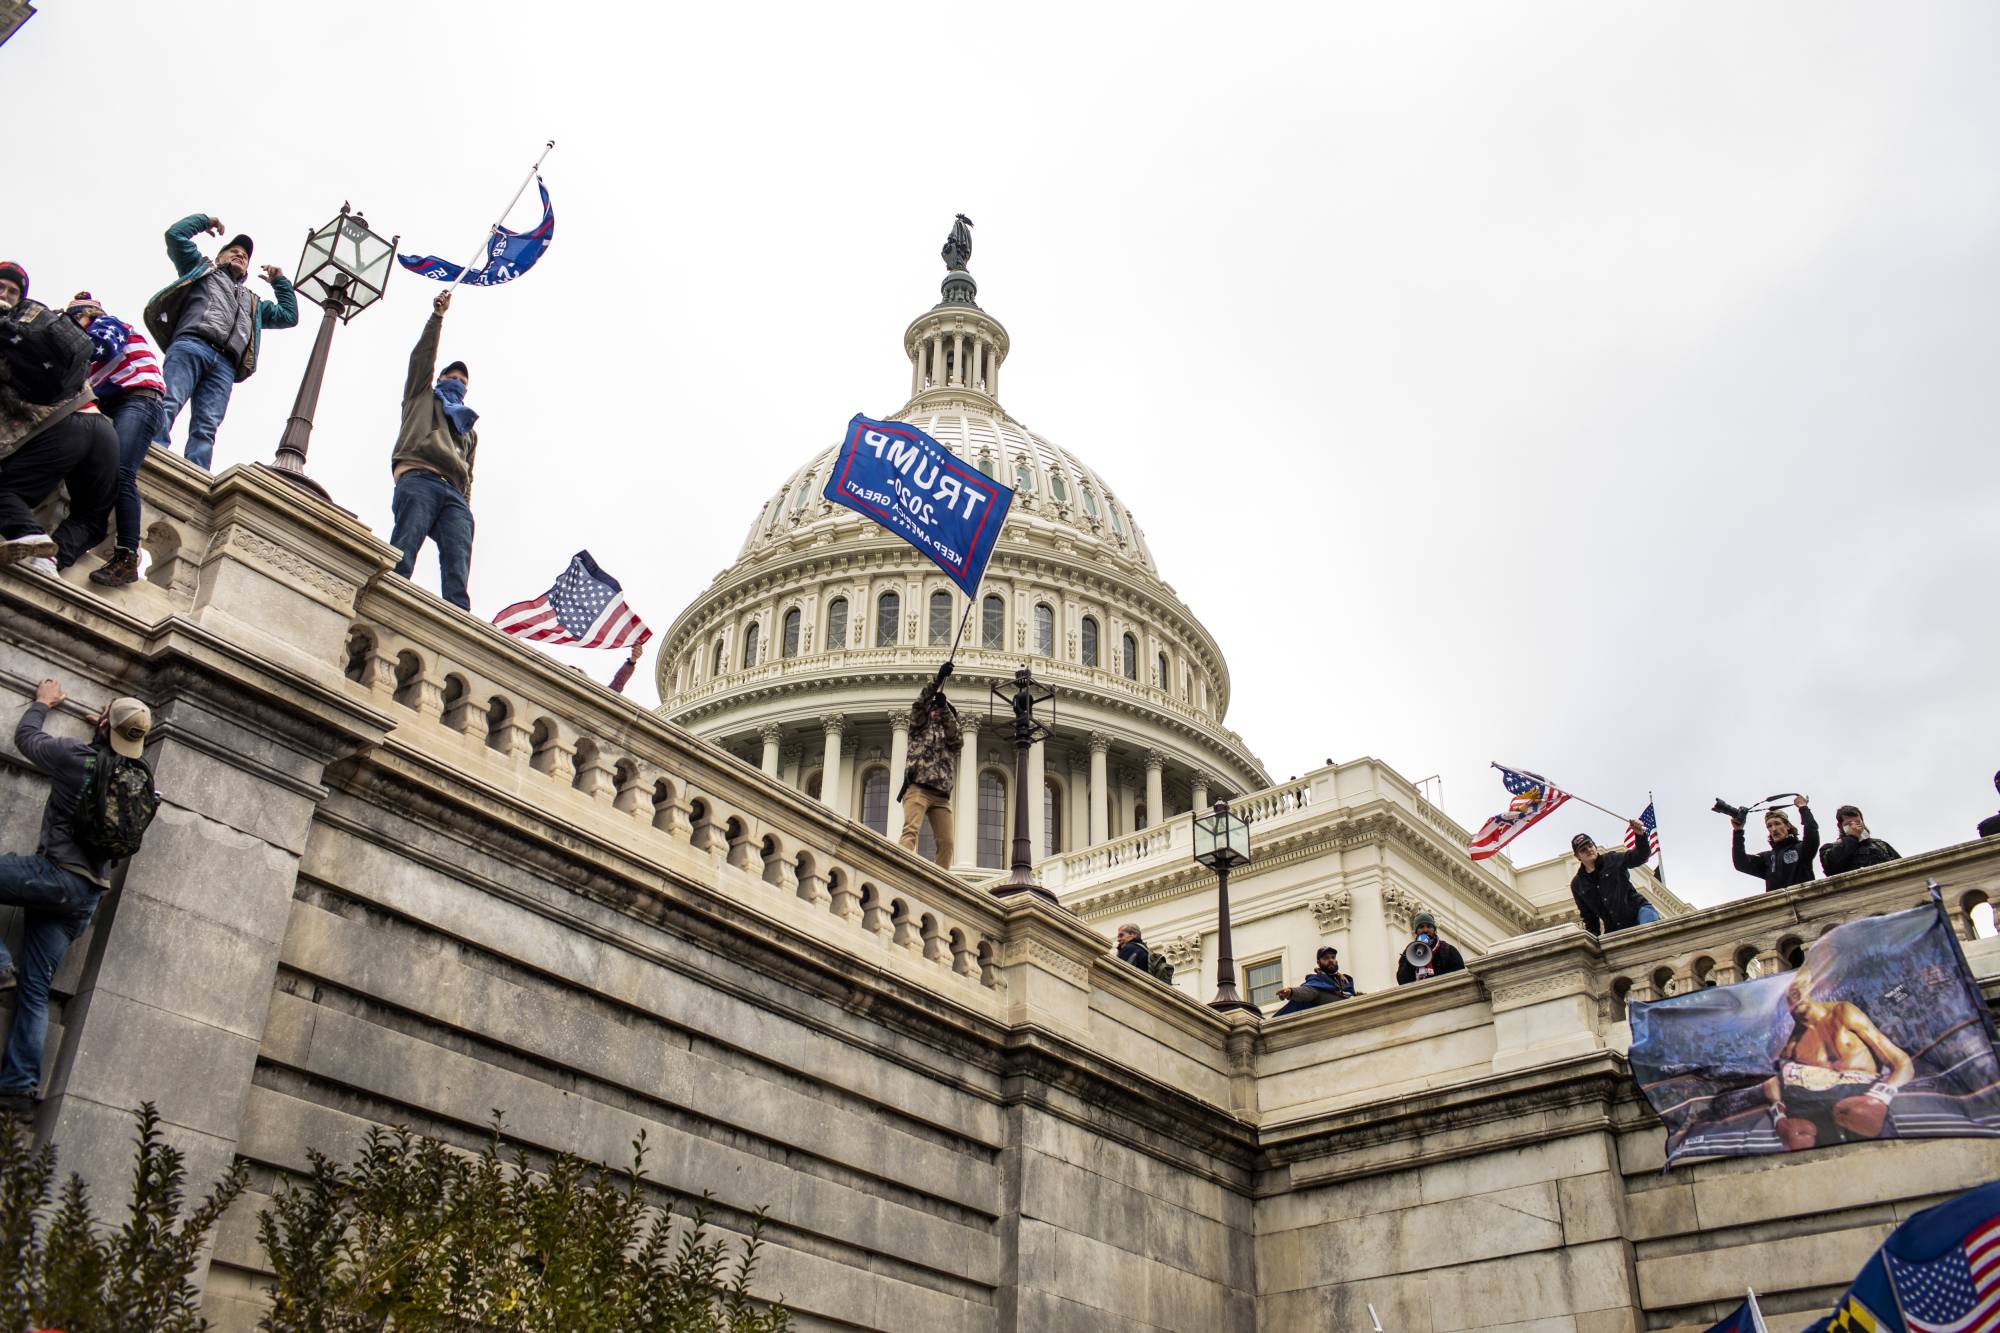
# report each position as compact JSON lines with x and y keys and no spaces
{"x":586,"y":607}
{"x":1652,"y":833}
{"x":1939,"y":1272}
{"x":1534,"y":797}
{"x":1745,"y":1318}
{"x":509,"y":254}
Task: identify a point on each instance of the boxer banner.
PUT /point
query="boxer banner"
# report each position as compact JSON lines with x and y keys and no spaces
{"x":1880,"y":1034}
{"x":916,"y":488}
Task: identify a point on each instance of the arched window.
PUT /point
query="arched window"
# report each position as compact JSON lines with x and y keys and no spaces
{"x":804,"y":492}
{"x":993,"y":623}
{"x":812,"y":784}
{"x":1045,"y":629}
{"x":836,"y":624}
{"x":1130,"y":666}
{"x":715,"y":667}
{"x":1051,"y":817}
{"x":1139,"y":817}
{"x":1090,"y":641}
{"x":1057,"y":487}
{"x":1089,"y":501}
{"x":992,"y":820}
{"x":1024,"y":477}
{"x":750,"y":644}
{"x":875,"y":800}
{"x":940,"y":618}
{"x":888,"y":610}
{"x":1117,"y":525}
{"x":1165,"y":680}
{"x":789,"y":646}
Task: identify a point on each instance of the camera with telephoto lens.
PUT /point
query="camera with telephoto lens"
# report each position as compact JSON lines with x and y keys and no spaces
{"x":1739,"y":813}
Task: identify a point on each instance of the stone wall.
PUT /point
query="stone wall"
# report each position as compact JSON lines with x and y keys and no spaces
{"x":409,"y":871}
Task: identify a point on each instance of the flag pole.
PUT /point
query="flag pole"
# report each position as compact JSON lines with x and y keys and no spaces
{"x":487,"y":239}
{"x":1572,"y":795}
{"x":1653,"y":804}
{"x":964,"y":620}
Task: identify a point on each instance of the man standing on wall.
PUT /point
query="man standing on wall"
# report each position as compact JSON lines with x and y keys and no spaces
{"x":932,"y":768}
{"x":433,"y":464}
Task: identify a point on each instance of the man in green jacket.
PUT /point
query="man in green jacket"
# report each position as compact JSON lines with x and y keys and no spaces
{"x":210,"y":324}
{"x":433,"y":464}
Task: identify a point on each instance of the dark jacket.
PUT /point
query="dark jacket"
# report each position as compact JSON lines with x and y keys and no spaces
{"x":933,"y":758}
{"x":163,"y":312}
{"x":1318,"y":988}
{"x":1445,"y":958}
{"x":65,"y":762}
{"x":1855,"y":853}
{"x":1787,"y":864}
{"x":1137,"y":954}
{"x":1605,"y":898}
{"x":426,"y":438}
{"x":25,"y":376}
{"x":1989,"y":826}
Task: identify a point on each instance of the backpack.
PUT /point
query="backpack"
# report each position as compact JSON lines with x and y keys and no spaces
{"x":44,"y":356}
{"x":1159,"y":967}
{"x":117,"y":804}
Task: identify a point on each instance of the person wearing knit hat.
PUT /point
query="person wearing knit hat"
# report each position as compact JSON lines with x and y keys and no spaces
{"x":212,"y":327}
{"x":130,"y":390}
{"x":432,"y":464}
{"x":1439,"y":957}
{"x":13,"y":284}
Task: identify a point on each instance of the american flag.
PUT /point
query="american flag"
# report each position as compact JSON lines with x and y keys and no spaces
{"x":586,"y":607}
{"x":1957,"y":1292}
{"x":1534,"y":796}
{"x":1652,"y":833}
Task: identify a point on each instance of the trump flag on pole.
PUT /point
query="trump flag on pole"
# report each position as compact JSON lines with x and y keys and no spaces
{"x":916,"y":488}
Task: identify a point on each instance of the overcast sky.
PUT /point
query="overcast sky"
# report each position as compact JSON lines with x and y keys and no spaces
{"x":1608,"y":390}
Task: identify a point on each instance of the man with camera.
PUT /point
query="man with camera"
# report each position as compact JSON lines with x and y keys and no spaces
{"x":1427,"y":955}
{"x":1856,"y":848}
{"x":1602,"y":886}
{"x":1790,"y":860}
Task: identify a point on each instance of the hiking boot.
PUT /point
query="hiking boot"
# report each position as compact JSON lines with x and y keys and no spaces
{"x":33,"y":546}
{"x":122,"y":568}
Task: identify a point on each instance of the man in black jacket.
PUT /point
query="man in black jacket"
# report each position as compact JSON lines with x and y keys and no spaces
{"x":1444,"y":957}
{"x":1132,"y":949}
{"x":1790,"y":860}
{"x":59,"y":885}
{"x":1602,"y":886}
{"x":1990,"y":826}
{"x":1856,"y":848}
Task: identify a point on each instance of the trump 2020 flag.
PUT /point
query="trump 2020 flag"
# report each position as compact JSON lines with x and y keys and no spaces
{"x":916,"y":488}
{"x":586,"y":607}
{"x":1880,"y":1033}
{"x":1939,"y":1272}
{"x":509,"y":254}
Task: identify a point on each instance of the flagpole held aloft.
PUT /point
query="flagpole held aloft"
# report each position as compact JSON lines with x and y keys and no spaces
{"x":1653,"y":804}
{"x":1623,"y":819}
{"x":491,"y":231}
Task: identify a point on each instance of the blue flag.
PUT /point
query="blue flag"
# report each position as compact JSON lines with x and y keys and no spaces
{"x":1939,"y":1272}
{"x":1745,"y":1318}
{"x":916,"y":488}
{"x":509,"y":254}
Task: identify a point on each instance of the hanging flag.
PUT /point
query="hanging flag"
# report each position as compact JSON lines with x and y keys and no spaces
{"x":586,"y":607}
{"x":916,"y":488}
{"x":509,"y":254}
{"x":1745,"y":1318}
{"x":1880,"y":1033}
{"x":1652,"y":833}
{"x":1939,"y":1272}
{"x":1534,"y":797}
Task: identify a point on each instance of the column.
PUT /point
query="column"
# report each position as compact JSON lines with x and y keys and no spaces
{"x":771,"y":734}
{"x":978,"y":362}
{"x":965,"y":795}
{"x":899,"y":755}
{"x":937,"y":358}
{"x":1100,"y":801}
{"x":829,"y":768}
{"x":993,"y":376}
{"x":916,"y":367}
{"x":958,"y":359}
{"x":850,"y":749}
{"x":1156,"y":805}
{"x":1199,"y":796}
{"x":1038,"y":838}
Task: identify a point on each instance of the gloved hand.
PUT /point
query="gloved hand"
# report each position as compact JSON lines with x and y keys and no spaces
{"x":1796,"y":1135}
{"x":1866,"y":1114}
{"x":944,"y":672}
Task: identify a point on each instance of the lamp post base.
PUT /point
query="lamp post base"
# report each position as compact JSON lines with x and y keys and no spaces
{"x":299,"y":479}
{"x":1231,"y":1002}
{"x":1013,"y":887}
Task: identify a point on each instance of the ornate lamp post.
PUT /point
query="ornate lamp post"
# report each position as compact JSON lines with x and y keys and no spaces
{"x":1028,"y":694}
{"x":343,"y":270}
{"x":1222,"y":840}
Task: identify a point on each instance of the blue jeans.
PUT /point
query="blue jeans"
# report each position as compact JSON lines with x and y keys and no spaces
{"x":137,"y":420}
{"x":1648,"y":914}
{"x":198,"y":376}
{"x":426,"y":505}
{"x":59,"y":904}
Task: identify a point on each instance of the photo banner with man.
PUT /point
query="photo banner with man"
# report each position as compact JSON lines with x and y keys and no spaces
{"x":916,"y":488}
{"x":1881,"y":1033}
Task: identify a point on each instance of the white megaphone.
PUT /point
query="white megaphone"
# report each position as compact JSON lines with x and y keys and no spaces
{"x":1419,"y":953}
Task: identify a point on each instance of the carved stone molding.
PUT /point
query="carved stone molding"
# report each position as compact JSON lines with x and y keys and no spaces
{"x":1331,"y":911}
{"x":1099,"y":743}
{"x":899,"y":719}
{"x":833,"y":723}
{"x":1183,"y":951}
{"x":770,"y":733}
{"x":290,"y":564}
{"x":1539,"y":988}
{"x":1042,"y":956}
{"x":1155,"y":760}
{"x":1399,"y":905}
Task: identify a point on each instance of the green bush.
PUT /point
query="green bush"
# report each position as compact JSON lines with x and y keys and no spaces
{"x":417,"y":1235}
{"x":57,"y":1270}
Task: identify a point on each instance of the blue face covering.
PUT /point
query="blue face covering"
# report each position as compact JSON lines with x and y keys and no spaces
{"x":451,"y":393}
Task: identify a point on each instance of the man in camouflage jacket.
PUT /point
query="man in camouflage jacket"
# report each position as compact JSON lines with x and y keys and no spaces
{"x":932,"y":767}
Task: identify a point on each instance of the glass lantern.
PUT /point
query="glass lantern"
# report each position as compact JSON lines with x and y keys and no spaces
{"x":345,"y":265}
{"x":1221,"y":838}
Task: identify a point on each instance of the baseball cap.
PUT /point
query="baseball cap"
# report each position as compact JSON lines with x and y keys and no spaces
{"x":130,"y":721}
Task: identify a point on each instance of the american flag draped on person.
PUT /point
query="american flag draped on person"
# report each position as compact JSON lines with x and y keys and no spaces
{"x":1534,"y":798}
{"x":586,"y":607}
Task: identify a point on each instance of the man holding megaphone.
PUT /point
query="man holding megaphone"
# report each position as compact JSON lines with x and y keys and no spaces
{"x":1427,"y":955}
